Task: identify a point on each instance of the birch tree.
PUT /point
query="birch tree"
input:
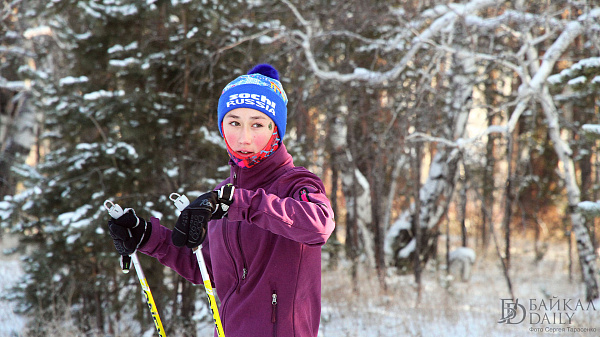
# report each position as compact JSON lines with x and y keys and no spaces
{"x":534,"y":89}
{"x":441,"y":182}
{"x":519,"y":43}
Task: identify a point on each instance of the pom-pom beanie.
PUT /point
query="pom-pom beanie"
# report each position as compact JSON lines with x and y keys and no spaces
{"x":261,"y":90}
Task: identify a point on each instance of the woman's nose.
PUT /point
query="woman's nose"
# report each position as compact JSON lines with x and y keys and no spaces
{"x":245,"y":136}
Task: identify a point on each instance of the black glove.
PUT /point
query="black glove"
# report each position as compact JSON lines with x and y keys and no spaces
{"x":224,"y":200}
{"x":129,"y":232}
{"x":191,"y":226}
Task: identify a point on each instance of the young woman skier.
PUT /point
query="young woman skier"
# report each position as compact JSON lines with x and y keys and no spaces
{"x":261,"y":229}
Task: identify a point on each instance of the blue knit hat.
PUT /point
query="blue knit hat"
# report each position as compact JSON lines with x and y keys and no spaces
{"x":261,"y":90}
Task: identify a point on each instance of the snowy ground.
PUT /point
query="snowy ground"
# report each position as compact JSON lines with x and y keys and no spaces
{"x":446,"y":309}
{"x":457,"y":308}
{"x":10,"y":272}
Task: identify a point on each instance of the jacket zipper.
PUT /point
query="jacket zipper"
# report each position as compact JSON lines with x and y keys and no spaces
{"x":244,"y":264}
{"x":228,"y":248}
{"x":244,"y":267}
{"x":274,"y":312}
{"x":239,"y":243}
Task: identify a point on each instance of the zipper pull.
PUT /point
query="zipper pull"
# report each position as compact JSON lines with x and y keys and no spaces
{"x":244,"y":273}
{"x":274,"y":311}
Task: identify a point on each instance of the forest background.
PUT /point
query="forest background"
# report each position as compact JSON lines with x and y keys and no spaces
{"x":427,"y":120}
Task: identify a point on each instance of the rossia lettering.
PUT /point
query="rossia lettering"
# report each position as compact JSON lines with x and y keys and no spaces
{"x":260,"y":101}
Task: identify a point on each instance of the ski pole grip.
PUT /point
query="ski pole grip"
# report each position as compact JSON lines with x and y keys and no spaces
{"x":115,"y":212}
{"x":180,"y":201}
{"x":113,"y":209}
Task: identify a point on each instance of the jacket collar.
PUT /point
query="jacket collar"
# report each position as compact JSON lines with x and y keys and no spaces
{"x":263,"y":173}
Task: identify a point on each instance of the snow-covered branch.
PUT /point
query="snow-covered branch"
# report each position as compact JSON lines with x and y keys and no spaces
{"x":593,"y":129}
{"x":420,"y":136}
{"x":510,"y":17}
{"x":374,"y":77}
{"x":590,"y":207}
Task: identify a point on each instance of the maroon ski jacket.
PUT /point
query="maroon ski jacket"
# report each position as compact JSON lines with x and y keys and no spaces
{"x":265,"y":257}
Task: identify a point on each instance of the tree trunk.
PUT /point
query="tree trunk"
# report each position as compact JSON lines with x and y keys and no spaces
{"x":436,"y":192}
{"x":357,"y":193}
{"x":463,"y":208}
{"x":416,"y":226}
{"x":508,"y":199}
{"x":487,"y":203}
{"x":17,"y":137}
{"x":585,"y":248}
{"x":587,"y":256}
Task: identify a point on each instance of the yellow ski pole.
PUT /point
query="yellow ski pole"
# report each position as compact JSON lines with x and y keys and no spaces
{"x":115,"y":212}
{"x":181,"y":202}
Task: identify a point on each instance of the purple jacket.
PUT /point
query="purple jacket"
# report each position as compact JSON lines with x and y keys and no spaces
{"x":265,"y":257}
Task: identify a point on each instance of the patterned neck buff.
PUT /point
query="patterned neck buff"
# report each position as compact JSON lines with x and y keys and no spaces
{"x":247,"y":162}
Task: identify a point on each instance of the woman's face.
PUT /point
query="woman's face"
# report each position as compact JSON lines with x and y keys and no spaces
{"x":247,"y":131}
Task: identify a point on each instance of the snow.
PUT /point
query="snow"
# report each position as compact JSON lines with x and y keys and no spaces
{"x":361,"y":72}
{"x":409,"y":248}
{"x":592,"y":62}
{"x":447,"y":307}
{"x":37,"y":31}
{"x":5,"y":211}
{"x":589,"y":207}
{"x":402,"y":223}
{"x":121,"y":145}
{"x":92,"y":96}
{"x":577,"y":81}
{"x":124,"y":63}
{"x":83,"y":36}
{"x":265,"y":39}
{"x":10,"y":273}
{"x":118,"y":48}
{"x":72,"y":80}
{"x":212,"y":136}
{"x":554,"y":79}
{"x":463,"y":253}
{"x":114,"y":9}
{"x":591,"y":128}
{"x":76,"y":219}
{"x":591,"y":15}
{"x":192,"y":32}
{"x":13,"y":85}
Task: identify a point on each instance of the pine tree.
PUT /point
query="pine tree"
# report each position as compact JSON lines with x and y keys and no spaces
{"x":129,"y":93}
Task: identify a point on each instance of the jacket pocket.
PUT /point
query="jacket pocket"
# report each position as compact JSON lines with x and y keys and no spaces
{"x":274,"y":312}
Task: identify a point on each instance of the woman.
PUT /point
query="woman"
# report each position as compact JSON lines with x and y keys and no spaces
{"x":268,"y":221}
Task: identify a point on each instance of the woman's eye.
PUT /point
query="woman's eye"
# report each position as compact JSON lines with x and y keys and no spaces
{"x":234,"y":123}
{"x":257,"y":125}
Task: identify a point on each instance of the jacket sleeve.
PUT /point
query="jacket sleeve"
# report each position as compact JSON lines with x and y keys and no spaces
{"x":303,"y":214}
{"x":180,"y":259}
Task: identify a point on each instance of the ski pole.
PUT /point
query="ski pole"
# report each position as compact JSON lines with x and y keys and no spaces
{"x":115,"y":212}
{"x":181,"y":202}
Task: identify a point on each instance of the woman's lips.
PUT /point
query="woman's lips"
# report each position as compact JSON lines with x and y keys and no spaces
{"x":245,"y":153}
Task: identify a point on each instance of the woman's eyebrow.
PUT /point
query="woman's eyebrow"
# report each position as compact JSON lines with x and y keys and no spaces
{"x":251,"y":117}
